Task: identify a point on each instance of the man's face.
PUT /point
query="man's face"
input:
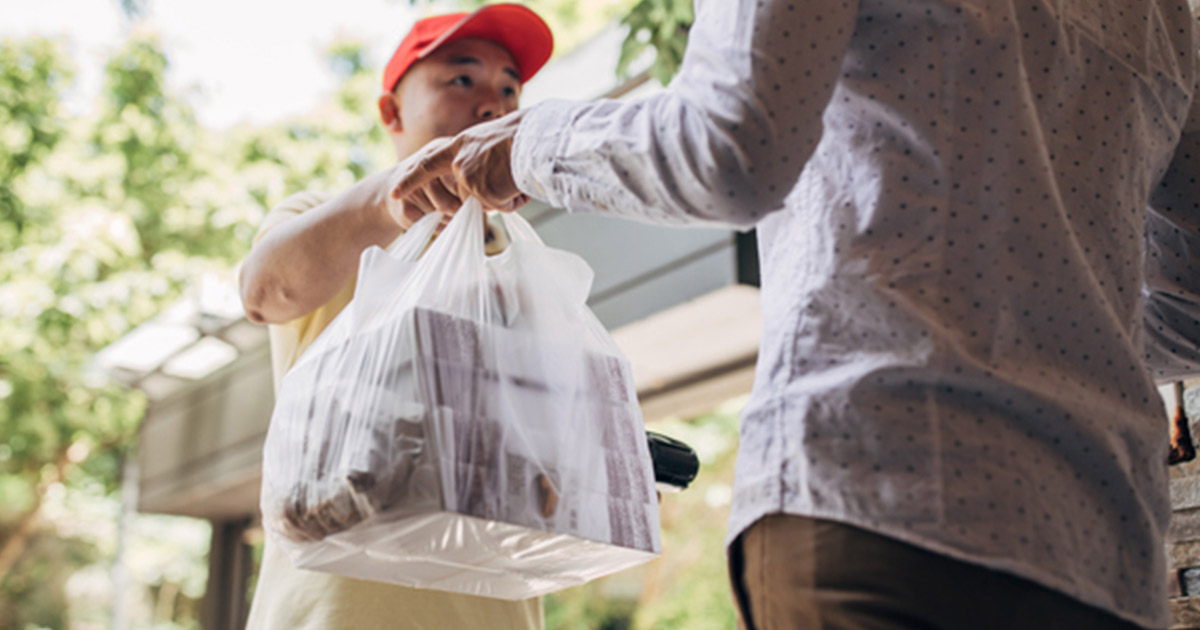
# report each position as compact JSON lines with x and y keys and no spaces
{"x":462,"y":83}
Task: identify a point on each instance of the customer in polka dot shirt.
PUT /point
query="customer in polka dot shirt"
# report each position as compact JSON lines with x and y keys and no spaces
{"x":979,"y":229}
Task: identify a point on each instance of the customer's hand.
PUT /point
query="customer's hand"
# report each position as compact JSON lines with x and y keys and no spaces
{"x":475,"y":163}
{"x":439,"y":194}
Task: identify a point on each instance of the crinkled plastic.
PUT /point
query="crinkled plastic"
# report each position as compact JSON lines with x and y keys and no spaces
{"x":465,"y":424}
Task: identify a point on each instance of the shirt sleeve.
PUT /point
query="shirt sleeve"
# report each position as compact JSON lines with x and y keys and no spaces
{"x":292,"y":206}
{"x":1172,"y":262}
{"x":723,"y":145}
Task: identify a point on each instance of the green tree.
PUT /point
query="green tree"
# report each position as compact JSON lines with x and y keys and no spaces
{"x":85,"y":209}
{"x":34,"y":596}
{"x":105,"y":220}
{"x":34,"y":75}
{"x":660,"y":25}
{"x":43,"y":346}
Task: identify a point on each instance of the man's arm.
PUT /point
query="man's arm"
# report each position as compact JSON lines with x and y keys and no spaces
{"x":724,"y":144}
{"x":301,"y":263}
{"x":1172,"y":292}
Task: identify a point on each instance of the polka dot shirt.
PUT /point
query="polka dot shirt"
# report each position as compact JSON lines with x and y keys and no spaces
{"x":978,"y":229}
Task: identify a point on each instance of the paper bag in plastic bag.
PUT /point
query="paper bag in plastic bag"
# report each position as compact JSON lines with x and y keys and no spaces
{"x":465,"y":424}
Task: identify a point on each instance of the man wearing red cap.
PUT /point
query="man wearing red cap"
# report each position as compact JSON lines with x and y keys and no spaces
{"x":449,"y":73}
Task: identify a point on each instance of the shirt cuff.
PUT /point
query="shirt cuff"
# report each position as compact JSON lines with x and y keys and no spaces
{"x":543,"y":130}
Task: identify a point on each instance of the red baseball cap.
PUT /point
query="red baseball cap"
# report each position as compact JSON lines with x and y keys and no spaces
{"x":519,"y":30}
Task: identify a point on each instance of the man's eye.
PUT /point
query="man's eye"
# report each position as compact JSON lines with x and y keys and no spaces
{"x":510,"y":92}
{"x":464,"y":81}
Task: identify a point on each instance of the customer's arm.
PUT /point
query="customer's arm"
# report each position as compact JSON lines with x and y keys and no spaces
{"x":724,"y":144}
{"x":1172,"y":262}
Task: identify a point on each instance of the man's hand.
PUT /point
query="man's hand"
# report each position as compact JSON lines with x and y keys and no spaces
{"x":475,"y":163}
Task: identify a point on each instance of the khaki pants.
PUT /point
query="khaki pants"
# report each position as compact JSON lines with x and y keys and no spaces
{"x":796,"y":573}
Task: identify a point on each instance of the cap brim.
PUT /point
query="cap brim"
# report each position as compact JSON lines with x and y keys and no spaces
{"x":517,"y":29}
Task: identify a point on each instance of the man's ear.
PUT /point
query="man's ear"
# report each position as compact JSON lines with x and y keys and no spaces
{"x":389,"y":113}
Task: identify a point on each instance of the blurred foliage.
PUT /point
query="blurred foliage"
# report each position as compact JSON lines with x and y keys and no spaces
{"x":70,"y":282}
{"x":661,"y":26}
{"x":36,"y":594}
{"x":31,"y":126}
{"x":105,"y":220}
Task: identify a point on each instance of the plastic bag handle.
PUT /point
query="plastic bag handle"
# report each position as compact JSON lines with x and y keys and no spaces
{"x":519,"y":228}
{"x":414,"y":241}
{"x":567,"y":271}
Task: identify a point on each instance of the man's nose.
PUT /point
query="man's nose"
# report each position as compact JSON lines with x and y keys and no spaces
{"x":492,"y":107}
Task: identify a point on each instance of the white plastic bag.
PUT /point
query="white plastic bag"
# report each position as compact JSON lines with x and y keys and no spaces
{"x":465,"y":424}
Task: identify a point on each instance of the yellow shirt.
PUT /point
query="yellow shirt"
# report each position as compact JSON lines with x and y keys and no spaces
{"x":288,"y":598}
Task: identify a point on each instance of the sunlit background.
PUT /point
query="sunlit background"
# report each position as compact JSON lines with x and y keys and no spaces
{"x":141,"y":143}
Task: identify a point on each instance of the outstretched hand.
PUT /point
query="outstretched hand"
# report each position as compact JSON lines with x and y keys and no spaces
{"x":475,"y":163}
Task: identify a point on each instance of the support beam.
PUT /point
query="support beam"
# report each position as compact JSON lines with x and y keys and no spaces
{"x":229,"y":563}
